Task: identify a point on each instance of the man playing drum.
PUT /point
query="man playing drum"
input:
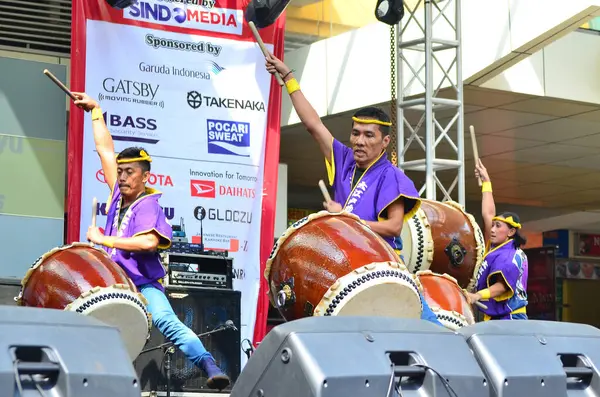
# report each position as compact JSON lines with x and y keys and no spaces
{"x":136,"y":227}
{"x":363,"y":178}
{"x":502,"y":277}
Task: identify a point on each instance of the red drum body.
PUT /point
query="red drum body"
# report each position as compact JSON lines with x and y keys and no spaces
{"x":443,"y":238}
{"x":446,"y":299}
{"x":84,"y":279}
{"x":333,"y":264}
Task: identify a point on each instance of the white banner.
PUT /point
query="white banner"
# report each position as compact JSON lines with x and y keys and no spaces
{"x":198,"y":105}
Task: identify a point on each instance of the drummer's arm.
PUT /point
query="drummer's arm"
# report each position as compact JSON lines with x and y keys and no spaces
{"x":392,"y":225}
{"x":146,"y":242}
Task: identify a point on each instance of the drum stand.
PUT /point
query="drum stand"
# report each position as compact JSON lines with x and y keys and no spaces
{"x":169,"y":350}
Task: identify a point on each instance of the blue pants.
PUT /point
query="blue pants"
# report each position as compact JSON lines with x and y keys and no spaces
{"x":167,"y":322}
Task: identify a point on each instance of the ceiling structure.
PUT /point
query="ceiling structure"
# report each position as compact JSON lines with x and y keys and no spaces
{"x":543,"y":156}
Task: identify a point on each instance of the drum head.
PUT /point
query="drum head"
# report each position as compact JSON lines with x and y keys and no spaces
{"x":379,"y":289}
{"x":121,"y":308}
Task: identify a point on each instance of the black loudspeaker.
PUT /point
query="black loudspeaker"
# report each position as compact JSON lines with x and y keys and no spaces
{"x":537,"y":358}
{"x":265,"y":12}
{"x":121,"y":4}
{"x":389,"y":11}
{"x":202,"y":310}
{"x":46,"y":352}
{"x":9,"y":289}
{"x":361,"y":356}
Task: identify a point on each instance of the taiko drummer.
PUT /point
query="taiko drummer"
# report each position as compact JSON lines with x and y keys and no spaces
{"x":363,"y":178}
{"x":136,"y":227}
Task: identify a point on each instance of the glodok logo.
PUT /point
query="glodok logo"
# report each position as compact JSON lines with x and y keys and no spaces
{"x":231,"y":216}
{"x":228,"y":137}
{"x":153,"y":180}
{"x":119,"y":90}
{"x":192,"y":16}
{"x":132,"y":128}
{"x":204,"y":189}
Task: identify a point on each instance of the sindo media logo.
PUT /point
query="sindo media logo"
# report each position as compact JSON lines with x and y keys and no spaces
{"x":202,"y":47}
{"x":132,"y":128}
{"x":131,"y":91}
{"x":222,"y":20}
{"x":228,"y":137}
{"x":195,"y":100}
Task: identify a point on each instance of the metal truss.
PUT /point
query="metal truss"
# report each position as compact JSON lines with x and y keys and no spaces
{"x":432,"y":62}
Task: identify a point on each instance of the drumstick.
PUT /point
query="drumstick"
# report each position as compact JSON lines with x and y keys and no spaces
{"x":59,"y":84}
{"x":475,"y":151}
{"x":481,"y":305}
{"x":261,"y":44}
{"x":94,"y":211}
{"x":325,"y":192}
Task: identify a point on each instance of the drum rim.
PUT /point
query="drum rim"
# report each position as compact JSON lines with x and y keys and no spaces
{"x":36,"y":264}
{"x":294,"y":227}
{"x":419,"y":220}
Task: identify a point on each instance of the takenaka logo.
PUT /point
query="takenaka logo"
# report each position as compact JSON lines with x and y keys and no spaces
{"x":153,"y":179}
{"x":187,"y":15}
{"x":132,"y":128}
{"x":201,"y":47}
{"x":195,"y":100}
{"x":130,"y":91}
{"x":209,"y":189}
{"x":204,"y":189}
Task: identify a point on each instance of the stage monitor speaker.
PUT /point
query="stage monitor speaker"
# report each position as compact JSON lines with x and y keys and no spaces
{"x":9,"y":289}
{"x":63,"y":354}
{"x":537,"y":358}
{"x":361,"y":356}
{"x":265,"y":12}
{"x":201,"y":309}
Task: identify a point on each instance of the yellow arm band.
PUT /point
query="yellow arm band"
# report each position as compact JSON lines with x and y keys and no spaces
{"x":109,"y":244}
{"x":96,"y":114}
{"x":486,"y":187}
{"x":292,"y":86}
{"x":484,"y":293}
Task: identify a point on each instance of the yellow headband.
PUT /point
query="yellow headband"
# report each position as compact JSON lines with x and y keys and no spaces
{"x":143,"y":157}
{"x":509,"y":221}
{"x":371,"y":121}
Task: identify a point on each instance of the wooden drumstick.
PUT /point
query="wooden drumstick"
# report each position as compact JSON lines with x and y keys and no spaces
{"x":94,"y":211}
{"x":59,"y":84}
{"x":481,"y":305}
{"x":264,"y":50}
{"x":475,"y":151}
{"x":325,"y":192}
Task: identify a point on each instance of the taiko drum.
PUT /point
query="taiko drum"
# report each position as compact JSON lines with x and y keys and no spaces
{"x":84,"y":279}
{"x":443,"y":238}
{"x":333,"y":264}
{"x":446,"y":299}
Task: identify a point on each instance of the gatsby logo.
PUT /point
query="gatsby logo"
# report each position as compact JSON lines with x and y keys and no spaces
{"x":214,"y":67}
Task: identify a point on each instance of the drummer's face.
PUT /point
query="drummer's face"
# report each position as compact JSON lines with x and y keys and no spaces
{"x":132,"y":179}
{"x":367,"y":142}
{"x":500,"y":232}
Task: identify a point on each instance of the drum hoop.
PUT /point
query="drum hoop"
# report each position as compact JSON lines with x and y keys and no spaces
{"x":399,"y":270}
{"x":36,"y":264}
{"x":452,"y":317}
{"x":142,"y":302}
{"x":297,"y":226}
{"x":419,"y":225}
{"x":447,"y":277}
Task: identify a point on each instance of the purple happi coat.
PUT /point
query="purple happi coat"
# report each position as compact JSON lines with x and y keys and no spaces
{"x":510,"y":263}
{"x":380,"y":185}
{"x":143,"y":215}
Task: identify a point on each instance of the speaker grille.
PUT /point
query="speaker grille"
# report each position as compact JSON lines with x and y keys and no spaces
{"x":39,"y":26}
{"x":202,"y":310}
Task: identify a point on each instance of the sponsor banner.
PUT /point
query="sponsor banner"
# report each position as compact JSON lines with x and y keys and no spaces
{"x":184,"y":80}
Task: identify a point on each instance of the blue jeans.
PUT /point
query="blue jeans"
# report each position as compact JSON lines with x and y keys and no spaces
{"x":167,"y":322}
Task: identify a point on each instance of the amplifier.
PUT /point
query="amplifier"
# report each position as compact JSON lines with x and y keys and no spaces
{"x":202,"y":310}
{"x":208,"y":271}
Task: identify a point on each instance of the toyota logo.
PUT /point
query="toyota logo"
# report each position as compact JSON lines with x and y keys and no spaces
{"x":100,"y":176}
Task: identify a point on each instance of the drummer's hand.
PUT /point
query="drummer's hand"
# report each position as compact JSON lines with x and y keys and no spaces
{"x":84,"y":101}
{"x":332,"y":206}
{"x":275,"y":65}
{"x":94,"y":235}
{"x":481,"y":172}
{"x":473,"y":297}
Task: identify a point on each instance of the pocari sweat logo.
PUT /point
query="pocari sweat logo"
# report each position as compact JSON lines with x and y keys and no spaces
{"x":222,"y":20}
{"x":228,"y":137}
